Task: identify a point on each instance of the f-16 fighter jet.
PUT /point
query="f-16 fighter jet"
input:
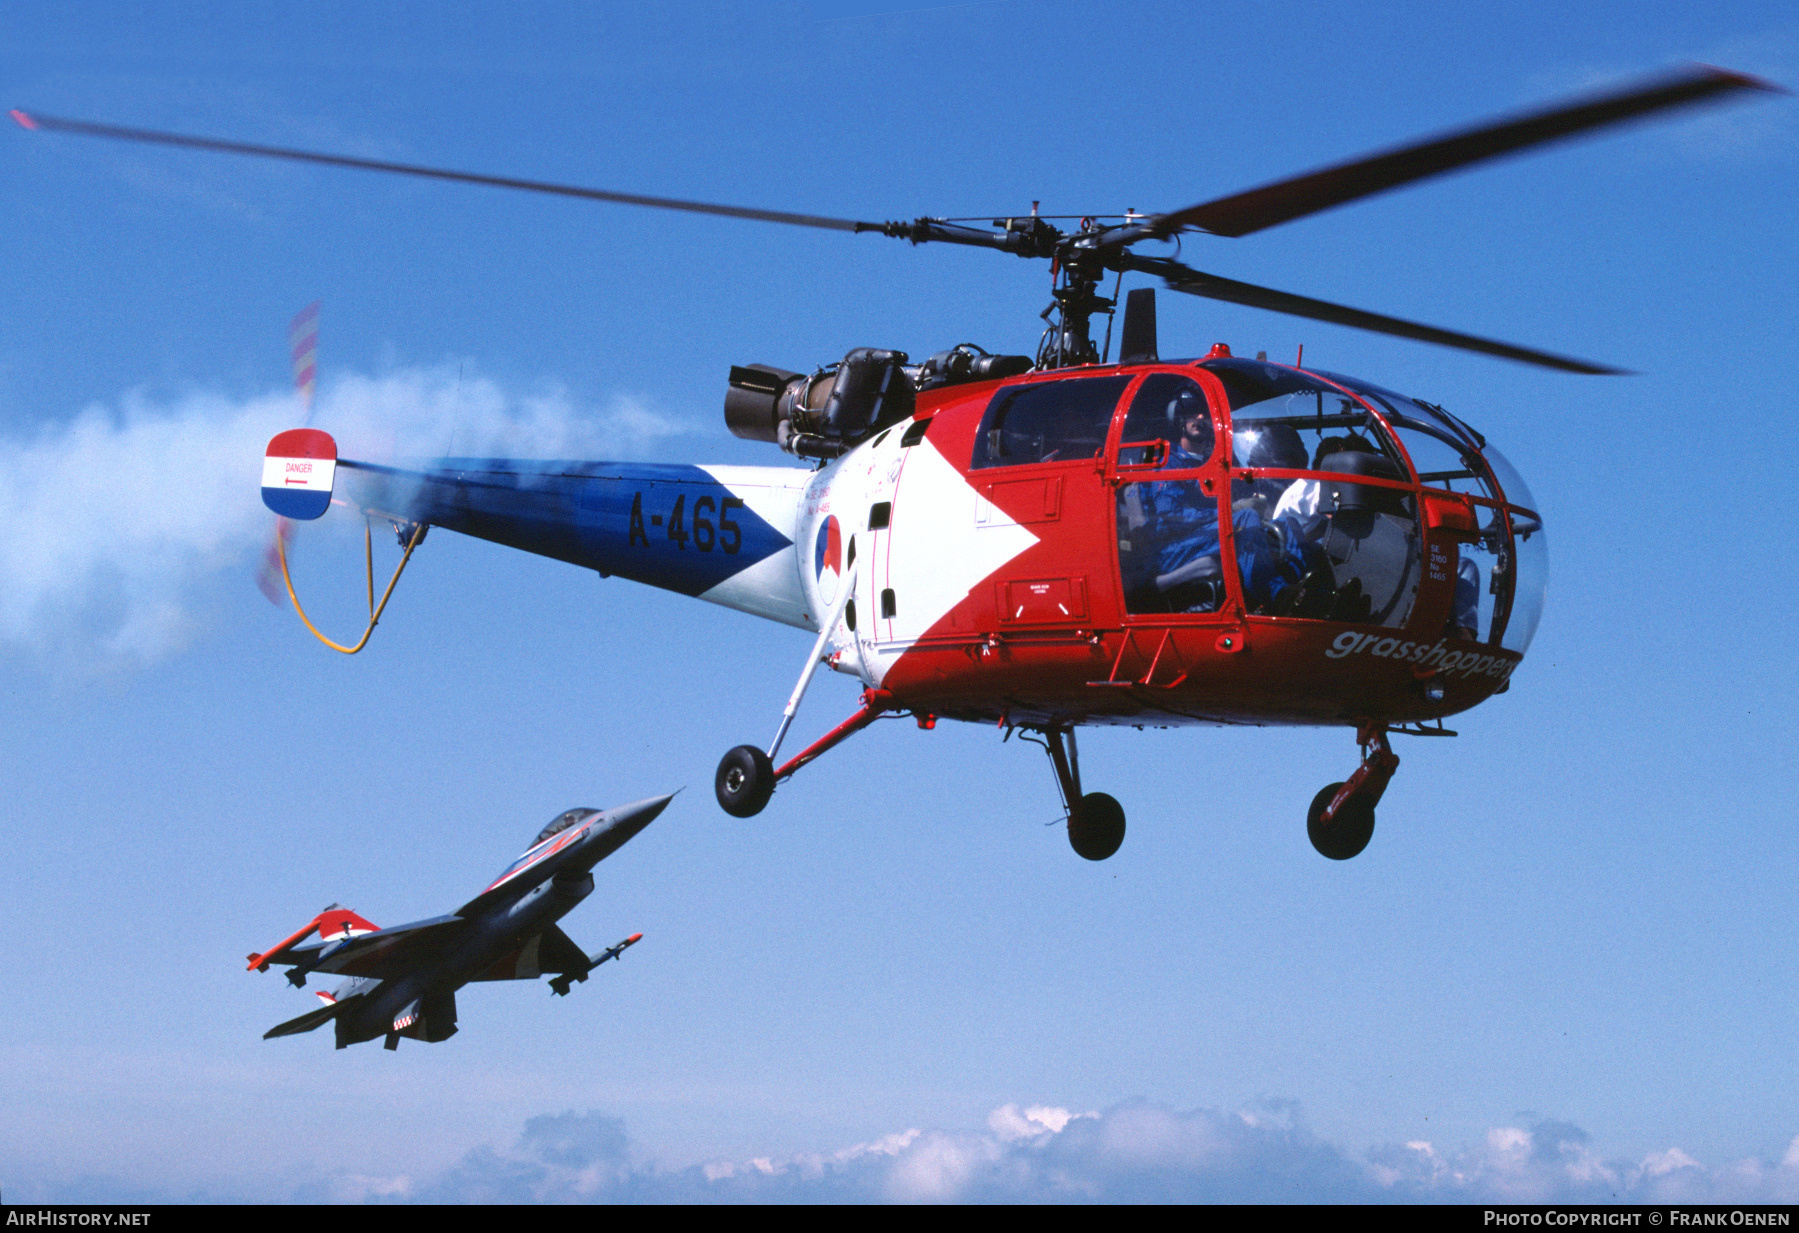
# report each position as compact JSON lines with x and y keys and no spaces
{"x":404,"y":979}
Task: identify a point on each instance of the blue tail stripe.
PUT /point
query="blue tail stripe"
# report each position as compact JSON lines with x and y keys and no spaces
{"x":669,"y":526}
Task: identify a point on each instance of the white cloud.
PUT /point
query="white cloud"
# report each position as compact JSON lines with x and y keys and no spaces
{"x":105,"y":522}
{"x":1135,"y":1152}
{"x":940,"y":1168}
{"x":1011,"y":1123}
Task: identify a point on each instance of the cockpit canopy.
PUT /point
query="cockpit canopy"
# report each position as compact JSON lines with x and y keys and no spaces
{"x":1330,"y":487}
{"x":1357,"y":428}
{"x":562,"y":821}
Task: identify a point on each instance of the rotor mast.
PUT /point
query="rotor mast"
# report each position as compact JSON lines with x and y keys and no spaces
{"x":1077,"y":263}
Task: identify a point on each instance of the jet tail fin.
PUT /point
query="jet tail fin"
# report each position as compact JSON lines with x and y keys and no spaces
{"x":307,"y":1021}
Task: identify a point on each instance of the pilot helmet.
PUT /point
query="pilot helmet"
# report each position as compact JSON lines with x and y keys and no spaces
{"x":1186,"y":405}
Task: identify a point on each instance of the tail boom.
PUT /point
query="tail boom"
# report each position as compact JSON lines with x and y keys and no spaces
{"x":717,"y":533}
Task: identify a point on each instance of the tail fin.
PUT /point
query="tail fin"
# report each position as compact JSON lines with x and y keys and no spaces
{"x":307,"y":1021}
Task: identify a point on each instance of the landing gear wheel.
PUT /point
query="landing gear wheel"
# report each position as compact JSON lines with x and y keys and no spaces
{"x":1096,"y":826}
{"x":745,"y":781}
{"x":1347,"y":834}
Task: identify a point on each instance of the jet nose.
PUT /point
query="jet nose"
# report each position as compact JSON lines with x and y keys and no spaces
{"x":621,"y":823}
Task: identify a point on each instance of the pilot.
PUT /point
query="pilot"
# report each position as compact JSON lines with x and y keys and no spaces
{"x":1181,"y":519}
{"x":1188,"y":575}
{"x":1190,"y":425}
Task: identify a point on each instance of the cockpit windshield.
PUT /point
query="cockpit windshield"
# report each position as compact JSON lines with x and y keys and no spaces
{"x":562,"y":821}
{"x":1330,"y":477}
{"x":1503,"y":570}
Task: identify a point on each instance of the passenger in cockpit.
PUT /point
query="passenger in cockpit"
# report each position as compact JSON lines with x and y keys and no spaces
{"x":1464,"y":616}
{"x":1266,"y":446}
{"x":1301,"y":496}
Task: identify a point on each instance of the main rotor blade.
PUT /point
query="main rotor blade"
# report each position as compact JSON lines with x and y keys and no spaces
{"x":1286,"y":200}
{"x":58,"y":124}
{"x":1212,"y":287}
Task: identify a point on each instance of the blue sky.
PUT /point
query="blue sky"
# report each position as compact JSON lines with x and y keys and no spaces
{"x":1565,"y":963}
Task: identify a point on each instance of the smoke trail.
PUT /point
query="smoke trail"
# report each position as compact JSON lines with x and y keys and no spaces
{"x":114,"y":524}
{"x":423,"y":413}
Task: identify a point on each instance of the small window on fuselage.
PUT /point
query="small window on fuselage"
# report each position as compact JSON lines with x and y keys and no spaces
{"x":1047,"y":421}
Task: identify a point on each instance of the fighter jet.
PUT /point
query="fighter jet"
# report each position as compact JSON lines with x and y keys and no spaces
{"x":404,"y":979}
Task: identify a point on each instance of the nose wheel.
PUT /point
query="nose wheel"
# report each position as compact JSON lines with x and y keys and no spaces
{"x":1096,"y":826}
{"x":1341,"y":820}
{"x":1347,"y":833}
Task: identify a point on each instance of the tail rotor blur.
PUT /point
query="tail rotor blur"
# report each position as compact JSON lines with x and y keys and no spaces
{"x":303,"y":345}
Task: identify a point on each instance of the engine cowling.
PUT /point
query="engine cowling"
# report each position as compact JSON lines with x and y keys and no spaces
{"x":825,"y":413}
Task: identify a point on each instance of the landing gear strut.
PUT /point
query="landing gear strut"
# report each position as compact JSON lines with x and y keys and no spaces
{"x":746,"y":776}
{"x":1095,"y":820}
{"x":1341,"y":819}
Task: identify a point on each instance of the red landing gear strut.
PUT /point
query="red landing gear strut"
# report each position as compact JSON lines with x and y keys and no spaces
{"x":1341,"y":820}
{"x":747,"y":777}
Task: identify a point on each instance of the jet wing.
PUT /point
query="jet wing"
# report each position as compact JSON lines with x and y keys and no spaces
{"x":382,"y":955}
{"x":548,"y":952}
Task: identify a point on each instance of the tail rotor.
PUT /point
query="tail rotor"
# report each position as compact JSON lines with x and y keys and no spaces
{"x":303,"y":345}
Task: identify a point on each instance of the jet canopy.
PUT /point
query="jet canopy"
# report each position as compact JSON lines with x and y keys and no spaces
{"x":562,"y":821}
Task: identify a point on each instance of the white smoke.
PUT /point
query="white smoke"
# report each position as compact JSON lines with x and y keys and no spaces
{"x":435,"y":412}
{"x":114,"y":525}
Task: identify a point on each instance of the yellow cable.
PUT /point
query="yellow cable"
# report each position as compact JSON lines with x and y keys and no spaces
{"x":368,"y":548}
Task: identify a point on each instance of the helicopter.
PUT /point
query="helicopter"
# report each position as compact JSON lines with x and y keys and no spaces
{"x":1045,"y":542}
